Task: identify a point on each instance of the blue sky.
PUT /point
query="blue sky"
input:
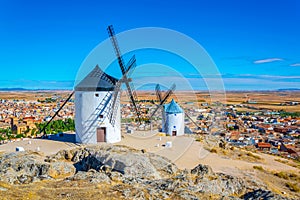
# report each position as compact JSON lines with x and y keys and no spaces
{"x":254,"y":43}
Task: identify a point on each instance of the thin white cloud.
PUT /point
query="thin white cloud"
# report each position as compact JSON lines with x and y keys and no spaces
{"x":268,"y":60}
{"x":295,"y":65}
{"x":36,"y":84}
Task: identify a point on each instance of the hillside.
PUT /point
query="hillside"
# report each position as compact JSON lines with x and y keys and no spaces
{"x":115,"y":172}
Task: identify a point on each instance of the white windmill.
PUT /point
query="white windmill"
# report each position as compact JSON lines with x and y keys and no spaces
{"x":172,"y":114}
{"x":97,"y":102}
{"x":95,"y":120}
{"x":173,"y":119}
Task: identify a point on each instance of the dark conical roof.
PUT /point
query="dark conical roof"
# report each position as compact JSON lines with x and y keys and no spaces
{"x":97,"y":80}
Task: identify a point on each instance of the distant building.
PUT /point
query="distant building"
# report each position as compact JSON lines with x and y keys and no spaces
{"x":263,"y":146}
{"x":23,"y":126}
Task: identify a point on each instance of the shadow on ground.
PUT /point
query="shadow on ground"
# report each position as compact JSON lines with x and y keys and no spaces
{"x":61,"y":137}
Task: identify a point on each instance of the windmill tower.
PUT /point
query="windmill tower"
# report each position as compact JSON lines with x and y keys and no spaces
{"x":95,"y":120}
{"x":172,"y":114}
{"x":173,"y":119}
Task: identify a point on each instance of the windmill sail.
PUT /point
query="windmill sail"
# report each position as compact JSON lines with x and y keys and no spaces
{"x":116,"y":97}
{"x":164,"y":99}
{"x":129,"y":86}
{"x":56,"y":114}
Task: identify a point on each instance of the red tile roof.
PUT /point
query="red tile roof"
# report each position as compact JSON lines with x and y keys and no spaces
{"x":263,"y":145}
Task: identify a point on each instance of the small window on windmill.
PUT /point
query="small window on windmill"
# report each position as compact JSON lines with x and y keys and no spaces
{"x":101,"y":116}
{"x":174,"y":114}
{"x":174,"y":126}
{"x":96,"y":95}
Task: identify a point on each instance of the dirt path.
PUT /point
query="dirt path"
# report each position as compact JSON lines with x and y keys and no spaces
{"x":196,"y":155}
{"x":180,"y":145}
{"x":47,"y":147}
{"x":185,"y":152}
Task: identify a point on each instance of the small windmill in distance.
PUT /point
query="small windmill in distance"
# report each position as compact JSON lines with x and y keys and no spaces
{"x":172,"y":114}
{"x":162,"y":99}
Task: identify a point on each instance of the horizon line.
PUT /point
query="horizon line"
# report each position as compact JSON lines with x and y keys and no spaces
{"x":17,"y":89}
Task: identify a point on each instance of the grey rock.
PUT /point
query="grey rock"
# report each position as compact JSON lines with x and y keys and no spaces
{"x":91,"y":176}
{"x":163,"y":165}
{"x":201,"y":170}
{"x":221,"y":184}
{"x":26,"y":167}
{"x":263,"y":195}
{"x":132,"y":173}
{"x":129,"y":162}
{"x":116,"y":176}
{"x":187,"y":195}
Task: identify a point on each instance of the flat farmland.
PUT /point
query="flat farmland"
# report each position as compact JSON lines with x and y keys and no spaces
{"x":275,"y":101}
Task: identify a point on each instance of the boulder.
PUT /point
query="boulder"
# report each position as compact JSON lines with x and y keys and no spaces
{"x":201,"y":170}
{"x":60,"y":170}
{"x":129,"y":162}
{"x":26,"y":167}
{"x":91,"y":176}
{"x":262,"y":194}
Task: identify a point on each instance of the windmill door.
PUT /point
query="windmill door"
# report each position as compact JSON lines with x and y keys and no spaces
{"x":174,"y":133}
{"x":101,"y":134}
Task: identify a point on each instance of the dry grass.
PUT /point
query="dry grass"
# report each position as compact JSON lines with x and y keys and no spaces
{"x":260,"y":168}
{"x":281,"y":161}
{"x":279,"y":182}
{"x":292,"y":163}
{"x":256,"y":157}
{"x":293,"y":186}
{"x":236,"y":154}
{"x":213,"y":150}
{"x":288,"y":175}
{"x":199,"y":139}
{"x":59,"y":190}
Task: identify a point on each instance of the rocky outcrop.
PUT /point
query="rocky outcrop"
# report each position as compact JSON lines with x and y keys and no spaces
{"x":92,"y":176}
{"x":129,"y":162}
{"x":262,"y":194}
{"x":26,"y":167}
{"x":131,"y":173}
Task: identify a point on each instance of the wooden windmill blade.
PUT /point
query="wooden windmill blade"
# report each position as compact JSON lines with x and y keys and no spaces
{"x":158,"y":92}
{"x":55,"y":114}
{"x":130,"y":66}
{"x":192,"y":120}
{"x":130,"y":90}
{"x":114,"y":106}
{"x":164,"y":99}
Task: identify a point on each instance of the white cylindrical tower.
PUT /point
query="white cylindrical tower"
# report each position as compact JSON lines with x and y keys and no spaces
{"x":173,"y":119}
{"x":93,"y":97}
